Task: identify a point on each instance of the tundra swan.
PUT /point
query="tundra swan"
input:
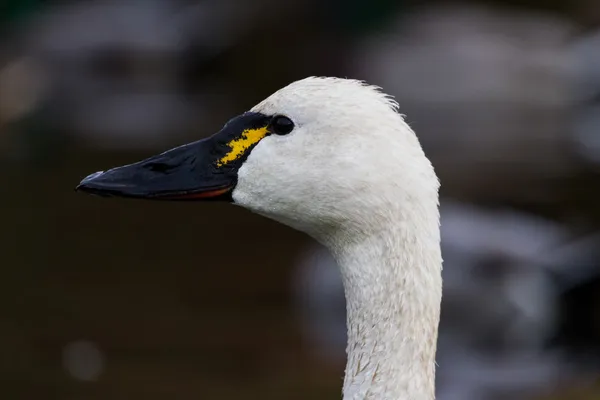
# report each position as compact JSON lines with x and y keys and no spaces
{"x":333,"y":158}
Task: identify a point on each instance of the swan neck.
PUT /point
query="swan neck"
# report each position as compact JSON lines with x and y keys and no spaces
{"x":392,"y":283}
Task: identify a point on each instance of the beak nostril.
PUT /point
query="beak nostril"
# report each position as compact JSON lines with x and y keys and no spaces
{"x":159,"y":167}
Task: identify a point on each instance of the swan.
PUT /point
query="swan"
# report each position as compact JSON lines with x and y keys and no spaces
{"x":335,"y":159}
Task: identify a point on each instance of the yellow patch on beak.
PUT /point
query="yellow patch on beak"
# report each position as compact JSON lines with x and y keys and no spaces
{"x":239,"y":146}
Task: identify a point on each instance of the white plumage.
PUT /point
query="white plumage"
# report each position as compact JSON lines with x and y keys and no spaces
{"x":353,"y":175}
{"x":347,"y":170}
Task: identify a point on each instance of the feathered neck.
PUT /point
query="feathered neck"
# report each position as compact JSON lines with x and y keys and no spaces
{"x":393,"y":287}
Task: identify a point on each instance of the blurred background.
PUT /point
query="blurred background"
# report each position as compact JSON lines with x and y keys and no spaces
{"x":122,"y":299}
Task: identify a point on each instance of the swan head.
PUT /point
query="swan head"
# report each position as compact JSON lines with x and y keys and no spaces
{"x":320,"y":155}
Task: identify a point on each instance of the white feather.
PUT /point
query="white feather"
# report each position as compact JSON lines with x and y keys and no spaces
{"x":352,"y":174}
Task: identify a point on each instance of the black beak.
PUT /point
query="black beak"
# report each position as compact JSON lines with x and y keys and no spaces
{"x":190,"y":172}
{"x":181,"y":173}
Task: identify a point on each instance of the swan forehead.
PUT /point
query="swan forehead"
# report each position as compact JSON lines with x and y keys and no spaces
{"x":313,"y":99}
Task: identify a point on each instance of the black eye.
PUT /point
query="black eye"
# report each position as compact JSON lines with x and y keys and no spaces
{"x":281,"y":125}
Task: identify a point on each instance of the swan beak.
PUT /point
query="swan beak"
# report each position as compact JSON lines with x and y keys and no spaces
{"x":180,"y":173}
{"x":203,"y":170}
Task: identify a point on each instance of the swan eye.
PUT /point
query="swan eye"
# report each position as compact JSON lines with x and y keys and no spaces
{"x":281,"y":125}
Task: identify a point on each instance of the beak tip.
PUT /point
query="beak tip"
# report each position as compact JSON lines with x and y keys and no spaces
{"x":92,"y":176}
{"x":84,"y":185}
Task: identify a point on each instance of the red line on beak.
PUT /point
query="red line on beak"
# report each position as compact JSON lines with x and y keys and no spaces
{"x":199,"y":195}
